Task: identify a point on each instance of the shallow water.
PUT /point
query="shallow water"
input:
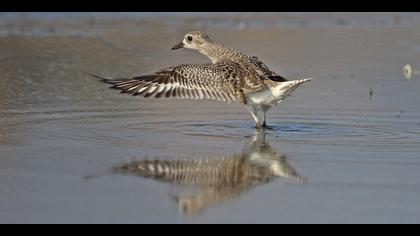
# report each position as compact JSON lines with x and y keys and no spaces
{"x":63,"y":136}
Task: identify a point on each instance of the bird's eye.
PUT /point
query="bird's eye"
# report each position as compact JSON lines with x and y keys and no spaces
{"x":189,"y":38}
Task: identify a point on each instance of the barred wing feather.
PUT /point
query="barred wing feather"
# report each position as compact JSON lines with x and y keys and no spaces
{"x":209,"y":81}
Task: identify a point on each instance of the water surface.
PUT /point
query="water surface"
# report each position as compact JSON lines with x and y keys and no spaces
{"x":342,"y":149}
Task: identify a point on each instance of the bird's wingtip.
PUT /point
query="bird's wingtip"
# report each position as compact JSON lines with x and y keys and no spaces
{"x":100,"y":78}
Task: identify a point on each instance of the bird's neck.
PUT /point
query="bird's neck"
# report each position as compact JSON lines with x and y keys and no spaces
{"x":217,"y":52}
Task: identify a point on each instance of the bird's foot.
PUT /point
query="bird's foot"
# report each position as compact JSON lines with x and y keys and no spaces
{"x":263,"y":126}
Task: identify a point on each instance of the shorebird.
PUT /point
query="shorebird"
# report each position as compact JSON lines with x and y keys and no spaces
{"x":231,"y":77}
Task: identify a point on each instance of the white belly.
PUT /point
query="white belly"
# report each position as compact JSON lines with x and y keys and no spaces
{"x":266,"y":98}
{"x":273,"y":95}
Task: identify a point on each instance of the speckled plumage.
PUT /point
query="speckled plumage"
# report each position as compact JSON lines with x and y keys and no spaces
{"x":231,"y":77}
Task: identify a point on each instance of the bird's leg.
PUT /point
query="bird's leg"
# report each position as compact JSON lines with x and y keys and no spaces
{"x":265,"y":109}
{"x":258,"y":116}
{"x":264,"y":125}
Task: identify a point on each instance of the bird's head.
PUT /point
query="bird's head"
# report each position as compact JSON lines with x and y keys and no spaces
{"x":193,"y":40}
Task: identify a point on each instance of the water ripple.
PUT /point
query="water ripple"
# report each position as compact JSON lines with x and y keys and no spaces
{"x":134,"y":127}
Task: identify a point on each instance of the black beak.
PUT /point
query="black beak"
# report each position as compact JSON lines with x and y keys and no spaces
{"x":178,"y":46}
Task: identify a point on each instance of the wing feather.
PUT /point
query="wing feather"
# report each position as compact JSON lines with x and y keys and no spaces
{"x":208,"y":81}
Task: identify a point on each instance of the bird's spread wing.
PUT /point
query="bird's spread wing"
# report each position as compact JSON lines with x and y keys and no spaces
{"x":208,"y":81}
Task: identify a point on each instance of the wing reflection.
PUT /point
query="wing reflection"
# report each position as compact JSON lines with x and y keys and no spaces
{"x":217,"y":180}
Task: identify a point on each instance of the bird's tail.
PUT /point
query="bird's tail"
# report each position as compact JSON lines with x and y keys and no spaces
{"x":296,"y":83}
{"x":287,"y":87}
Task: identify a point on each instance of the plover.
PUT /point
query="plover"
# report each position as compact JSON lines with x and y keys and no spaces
{"x":231,"y":77}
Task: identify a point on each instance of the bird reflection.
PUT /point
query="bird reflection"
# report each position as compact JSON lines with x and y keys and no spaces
{"x":216,"y":180}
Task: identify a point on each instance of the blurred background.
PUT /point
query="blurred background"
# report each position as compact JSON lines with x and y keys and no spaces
{"x":353,"y":132}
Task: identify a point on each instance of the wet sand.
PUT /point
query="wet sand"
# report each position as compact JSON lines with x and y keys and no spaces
{"x":353,"y":133}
